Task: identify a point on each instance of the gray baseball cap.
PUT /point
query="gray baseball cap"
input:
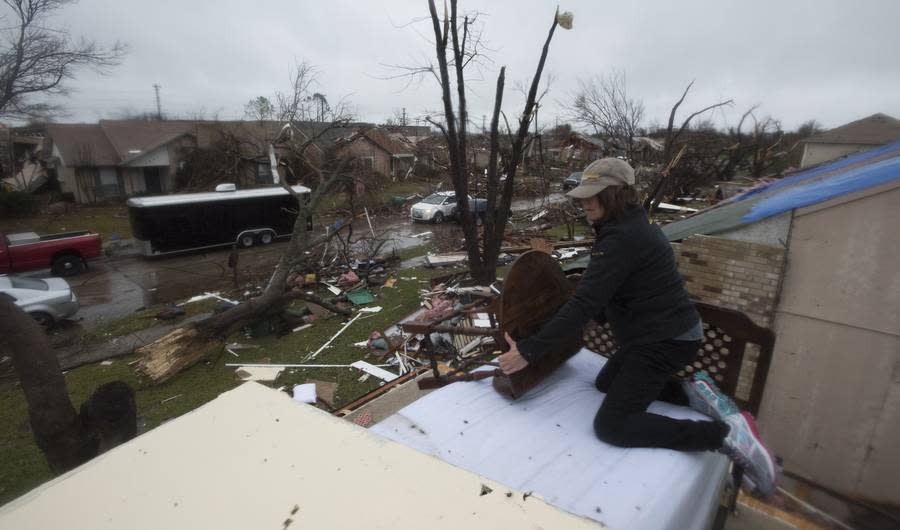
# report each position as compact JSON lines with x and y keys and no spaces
{"x":601,"y":174}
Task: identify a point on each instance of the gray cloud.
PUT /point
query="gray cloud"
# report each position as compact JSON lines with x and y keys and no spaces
{"x":831,"y":60}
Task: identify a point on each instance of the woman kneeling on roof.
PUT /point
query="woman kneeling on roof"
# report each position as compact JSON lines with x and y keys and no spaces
{"x":632,"y":281}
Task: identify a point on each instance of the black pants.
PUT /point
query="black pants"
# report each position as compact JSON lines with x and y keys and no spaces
{"x":632,"y":379}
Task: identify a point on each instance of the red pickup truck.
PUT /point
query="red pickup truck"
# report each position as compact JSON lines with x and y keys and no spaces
{"x":65,"y":254}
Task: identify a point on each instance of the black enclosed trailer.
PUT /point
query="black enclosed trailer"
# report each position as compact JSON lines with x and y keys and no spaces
{"x":167,"y":224}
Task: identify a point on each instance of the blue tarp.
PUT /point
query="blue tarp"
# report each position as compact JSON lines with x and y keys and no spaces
{"x":813,"y":191}
{"x":804,"y":188}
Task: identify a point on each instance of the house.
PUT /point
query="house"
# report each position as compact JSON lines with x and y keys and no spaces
{"x":830,"y":407}
{"x":116,"y":158}
{"x":860,"y":135}
{"x":583,"y":149}
{"x":374,"y":148}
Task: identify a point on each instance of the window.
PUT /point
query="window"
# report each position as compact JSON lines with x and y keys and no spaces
{"x":28,"y":283}
{"x":263,"y":173}
{"x":367,"y":162}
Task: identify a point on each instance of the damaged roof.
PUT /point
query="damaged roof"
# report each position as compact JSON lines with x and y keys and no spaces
{"x":82,"y":144}
{"x":254,"y":458}
{"x":804,"y":188}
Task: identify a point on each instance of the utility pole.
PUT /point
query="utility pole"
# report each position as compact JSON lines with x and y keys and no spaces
{"x":403,"y":120}
{"x":483,"y":118}
{"x":158,"y":106}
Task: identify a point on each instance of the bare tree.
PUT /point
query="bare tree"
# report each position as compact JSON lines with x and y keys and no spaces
{"x":464,"y":43}
{"x":659,"y":190}
{"x":766,"y":138}
{"x":603,"y":104}
{"x":37,"y":59}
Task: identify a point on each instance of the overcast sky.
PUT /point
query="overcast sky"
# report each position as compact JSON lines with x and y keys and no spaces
{"x":831,"y":60}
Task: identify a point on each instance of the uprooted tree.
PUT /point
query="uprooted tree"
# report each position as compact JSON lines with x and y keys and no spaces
{"x":457,"y":35}
{"x":189,"y":344}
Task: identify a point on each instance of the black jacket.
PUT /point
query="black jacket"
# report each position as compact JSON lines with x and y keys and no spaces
{"x":633,"y":279}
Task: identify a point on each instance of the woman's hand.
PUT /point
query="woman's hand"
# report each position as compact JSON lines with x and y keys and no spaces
{"x":511,"y":361}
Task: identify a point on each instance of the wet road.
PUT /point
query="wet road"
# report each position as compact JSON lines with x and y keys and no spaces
{"x":113,"y":288}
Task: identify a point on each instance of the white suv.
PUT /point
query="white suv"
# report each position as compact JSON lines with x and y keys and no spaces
{"x":435,"y":208}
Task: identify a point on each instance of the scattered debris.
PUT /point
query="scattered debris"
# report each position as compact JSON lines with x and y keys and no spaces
{"x":305,"y":393}
{"x":106,"y":362}
{"x":371,"y":369}
{"x":297,"y":365}
{"x":444,"y":260}
{"x":301,"y":328}
{"x":540,"y":214}
{"x":374,"y":309}
{"x":206,"y":296}
{"x":676,"y":208}
{"x":325,"y":390}
{"x":348,"y":278}
{"x":170,"y":399}
{"x":390,"y":282}
{"x":360,"y":297}
{"x":332,"y":289}
{"x":262,"y":372}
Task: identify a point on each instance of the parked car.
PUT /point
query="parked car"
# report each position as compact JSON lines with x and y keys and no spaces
{"x":48,"y":300}
{"x":440,"y":206}
{"x":65,"y":254}
{"x":572,"y":180}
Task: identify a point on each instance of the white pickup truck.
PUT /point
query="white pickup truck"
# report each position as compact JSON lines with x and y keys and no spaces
{"x":438,"y":207}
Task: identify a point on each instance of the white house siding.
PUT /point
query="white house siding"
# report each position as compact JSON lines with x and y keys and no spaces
{"x":831,"y":407}
{"x":816,"y":153}
{"x":157,"y":157}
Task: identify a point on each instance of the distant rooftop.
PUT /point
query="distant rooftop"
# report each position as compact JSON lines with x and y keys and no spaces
{"x":877,"y":129}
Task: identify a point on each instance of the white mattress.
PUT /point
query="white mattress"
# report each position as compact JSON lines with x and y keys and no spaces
{"x":545,"y":443}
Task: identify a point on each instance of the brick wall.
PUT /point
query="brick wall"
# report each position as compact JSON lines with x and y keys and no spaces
{"x":736,"y":275}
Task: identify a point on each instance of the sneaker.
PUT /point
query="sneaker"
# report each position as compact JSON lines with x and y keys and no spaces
{"x":705,"y":397}
{"x":745,"y":446}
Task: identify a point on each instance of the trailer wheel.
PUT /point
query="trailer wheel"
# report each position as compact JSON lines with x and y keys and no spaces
{"x":246,"y":240}
{"x":67,"y":265}
{"x":266,"y":237}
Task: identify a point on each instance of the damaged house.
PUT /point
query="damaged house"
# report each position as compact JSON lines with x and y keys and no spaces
{"x":375,"y":149}
{"x":814,"y":255}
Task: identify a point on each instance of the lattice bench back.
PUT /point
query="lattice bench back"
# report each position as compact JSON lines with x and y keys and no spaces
{"x":726,"y":335}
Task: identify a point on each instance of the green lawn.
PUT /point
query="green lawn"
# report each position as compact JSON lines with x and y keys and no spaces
{"x":105,"y":220}
{"x":23,"y":467}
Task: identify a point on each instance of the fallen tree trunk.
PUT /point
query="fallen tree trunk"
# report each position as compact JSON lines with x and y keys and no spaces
{"x":66,"y":438}
{"x":186,"y":346}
